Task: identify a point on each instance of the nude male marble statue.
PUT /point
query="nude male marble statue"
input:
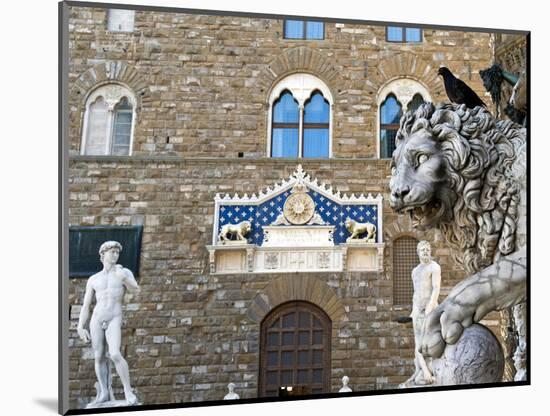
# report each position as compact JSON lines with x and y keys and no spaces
{"x":426,"y":279}
{"x":109,"y":286}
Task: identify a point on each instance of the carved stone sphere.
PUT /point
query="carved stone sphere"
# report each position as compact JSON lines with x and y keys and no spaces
{"x":476,"y":358}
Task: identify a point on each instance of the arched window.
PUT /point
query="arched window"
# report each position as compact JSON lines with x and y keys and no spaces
{"x":405,"y":260}
{"x":416,"y":102}
{"x":397,"y":96}
{"x":390,"y":114}
{"x":295,"y":350}
{"x":109,"y":121}
{"x":300,"y":118}
{"x":316,"y":126}
{"x":286,"y":124}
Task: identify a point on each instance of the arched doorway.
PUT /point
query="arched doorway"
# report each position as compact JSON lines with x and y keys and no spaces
{"x":295,"y":350}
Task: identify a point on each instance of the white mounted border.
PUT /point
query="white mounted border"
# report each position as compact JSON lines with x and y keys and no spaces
{"x":299,"y":176}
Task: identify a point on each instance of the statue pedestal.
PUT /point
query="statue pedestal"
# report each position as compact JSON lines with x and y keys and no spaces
{"x":110,"y":403}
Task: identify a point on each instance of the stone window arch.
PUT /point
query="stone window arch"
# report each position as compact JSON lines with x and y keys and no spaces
{"x":295,"y":350}
{"x":109,"y":119}
{"x":300,"y":118}
{"x":394,"y":98}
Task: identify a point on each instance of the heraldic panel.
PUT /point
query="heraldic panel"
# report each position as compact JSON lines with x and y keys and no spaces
{"x":299,"y":225}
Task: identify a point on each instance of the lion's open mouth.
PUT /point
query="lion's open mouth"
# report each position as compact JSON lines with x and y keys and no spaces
{"x":425,"y":215}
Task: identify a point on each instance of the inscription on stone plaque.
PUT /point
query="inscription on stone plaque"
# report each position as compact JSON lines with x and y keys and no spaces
{"x":298,"y":236}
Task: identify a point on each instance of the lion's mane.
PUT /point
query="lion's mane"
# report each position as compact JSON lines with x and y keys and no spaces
{"x":485,"y":163}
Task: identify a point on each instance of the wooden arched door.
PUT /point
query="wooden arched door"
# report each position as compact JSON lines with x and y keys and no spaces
{"x":295,"y":350}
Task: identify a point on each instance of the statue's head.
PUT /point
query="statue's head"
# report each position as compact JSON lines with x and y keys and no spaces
{"x":349,"y":223}
{"x":424,"y":250}
{"x":231,"y":387}
{"x":452,"y":169}
{"x":492,"y":80}
{"x":419,"y":176}
{"x":444,"y":71}
{"x":345,"y":380}
{"x":246,"y":227}
{"x":110,"y":248}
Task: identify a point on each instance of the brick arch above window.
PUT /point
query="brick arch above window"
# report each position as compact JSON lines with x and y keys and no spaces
{"x":406,"y":65}
{"x":303,"y":288}
{"x":110,"y":72}
{"x":301,"y":59}
{"x":404,"y":90}
{"x":302,"y":86}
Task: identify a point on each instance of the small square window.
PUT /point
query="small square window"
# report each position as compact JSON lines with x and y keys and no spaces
{"x":294,"y":29}
{"x":300,"y":29}
{"x":394,"y":34}
{"x":315,"y":30}
{"x":413,"y":34}
{"x":120,"y":20}
{"x":403,"y":34}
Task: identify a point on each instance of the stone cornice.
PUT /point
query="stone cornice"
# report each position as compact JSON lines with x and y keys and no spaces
{"x":217,"y":160}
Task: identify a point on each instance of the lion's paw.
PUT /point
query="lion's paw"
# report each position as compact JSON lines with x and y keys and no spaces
{"x":432,"y":344}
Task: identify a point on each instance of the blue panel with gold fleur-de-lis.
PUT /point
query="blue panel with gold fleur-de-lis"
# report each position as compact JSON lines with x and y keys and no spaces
{"x":332,"y":213}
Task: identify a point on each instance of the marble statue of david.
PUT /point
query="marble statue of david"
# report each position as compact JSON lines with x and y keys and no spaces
{"x":426,"y":279}
{"x":109,"y":286}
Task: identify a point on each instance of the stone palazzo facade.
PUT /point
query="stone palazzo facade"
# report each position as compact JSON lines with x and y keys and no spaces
{"x":188,"y":102}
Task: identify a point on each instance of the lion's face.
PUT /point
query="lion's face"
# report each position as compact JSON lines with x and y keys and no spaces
{"x":418,"y":179}
{"x":349,"y":224}
{"x":246,"y":227}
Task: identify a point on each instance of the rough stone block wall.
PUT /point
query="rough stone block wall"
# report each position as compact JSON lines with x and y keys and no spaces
{"x":208,"y":77}
{"x":511,"y":54}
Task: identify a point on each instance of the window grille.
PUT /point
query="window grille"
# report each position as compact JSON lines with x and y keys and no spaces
{"x":405,"y":260}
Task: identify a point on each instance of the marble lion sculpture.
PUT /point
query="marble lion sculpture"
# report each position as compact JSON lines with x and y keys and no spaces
{"x":463,"y":172}
{"x":239,"y":231}
{"x":358,"y":228}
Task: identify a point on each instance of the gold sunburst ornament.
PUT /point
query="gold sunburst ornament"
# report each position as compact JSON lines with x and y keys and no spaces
{"x":299,"y":208}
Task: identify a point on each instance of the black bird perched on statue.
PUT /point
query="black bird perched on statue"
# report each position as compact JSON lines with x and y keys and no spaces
{"x":457,"y":90}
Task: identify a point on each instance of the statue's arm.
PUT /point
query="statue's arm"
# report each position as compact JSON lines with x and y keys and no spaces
{"x":130,"y":282}
{"x":499,"y":286}
{"x":85,"y":311}
{"x":436,"y":288}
